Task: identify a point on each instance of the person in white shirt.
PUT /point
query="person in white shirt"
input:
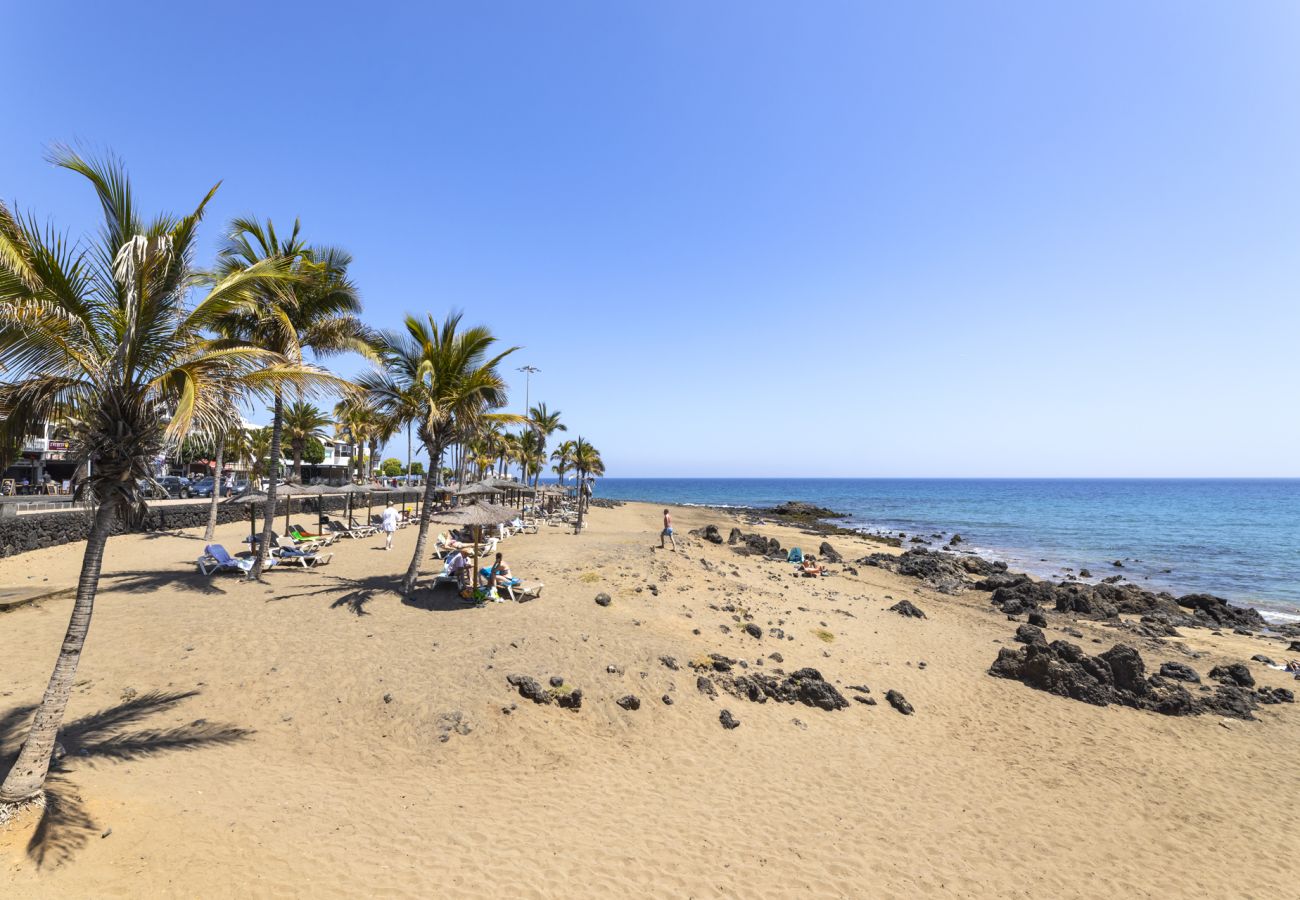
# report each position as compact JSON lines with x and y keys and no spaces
{"x":459,"y":566}
{"x":389,"y":524}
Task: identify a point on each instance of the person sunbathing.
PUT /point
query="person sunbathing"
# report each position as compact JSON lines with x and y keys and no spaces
{"x":447,"y":540}
{"x":809,"y":568}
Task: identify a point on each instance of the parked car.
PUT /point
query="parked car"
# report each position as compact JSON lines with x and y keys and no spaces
{"x":150,"y":490}
{"x":175,"y":486}
{"x":203,"y":487}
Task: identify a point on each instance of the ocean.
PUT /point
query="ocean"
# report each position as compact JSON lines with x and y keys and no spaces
{"x":1237,"y":538}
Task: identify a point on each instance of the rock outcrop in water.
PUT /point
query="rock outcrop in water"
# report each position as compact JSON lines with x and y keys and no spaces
{"x":1017,"y":594}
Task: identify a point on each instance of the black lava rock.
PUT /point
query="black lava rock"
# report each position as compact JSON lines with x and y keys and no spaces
{"x":1179,"y":672}
{"x":907,"y":609}
{"x":569,"y":699}
{"x":529,"y":688}
{"x":603,"y":600}
{"x":899,"y":702}
{"x":705,"y":686}
{"x":728,"y":720}
{"x":754,"y":631}
{"x":709,"y":533}
{"x":1038,"y":619}
{"x":829,"y":553}
{"x":1234,"y":673}
{"x":1030,"y":634}
{"x":1261,"y":658}
{"x":629,"y":702}
{"x":1116,"y":677}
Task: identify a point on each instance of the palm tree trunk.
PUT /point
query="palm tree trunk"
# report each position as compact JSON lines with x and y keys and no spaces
{"x":216,"y":489}
{"x":413,"y":570}
{"x":297,"y":462}
{"x":27,"y":777}
{"x":268,"y":519}
{"x":577,"y":528}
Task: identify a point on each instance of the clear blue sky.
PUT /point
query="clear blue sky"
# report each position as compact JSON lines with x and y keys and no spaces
{"x":753,"y":238}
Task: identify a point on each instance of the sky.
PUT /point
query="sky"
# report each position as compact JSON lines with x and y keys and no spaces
{"x":744,"y":238}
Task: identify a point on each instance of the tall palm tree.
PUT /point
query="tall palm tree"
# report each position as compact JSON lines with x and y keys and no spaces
{"x":531,"y":454}
{"x":563,"y":457}
{"x":226,"y":437}
{"x":586,"y":461}
{"x":302,"y":422}
{"x":447,"y":374}
{"x":546,"y":423}
{"x":100,"y":332}
{"x":259,"y":454}
{"x":318,"y":311}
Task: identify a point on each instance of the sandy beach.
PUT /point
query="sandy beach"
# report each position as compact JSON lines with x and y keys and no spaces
{"x":317,"y":735}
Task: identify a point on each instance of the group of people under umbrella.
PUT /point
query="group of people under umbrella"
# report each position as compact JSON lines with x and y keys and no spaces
{"x":473,"y":510}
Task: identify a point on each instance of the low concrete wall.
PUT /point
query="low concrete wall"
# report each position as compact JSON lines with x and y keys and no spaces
{"x":33,"y":531}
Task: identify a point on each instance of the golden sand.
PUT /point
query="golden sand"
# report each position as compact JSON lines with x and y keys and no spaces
{"x":344,"y":785}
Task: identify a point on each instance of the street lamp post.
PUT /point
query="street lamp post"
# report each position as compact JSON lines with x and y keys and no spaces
{"x":529,"y":372}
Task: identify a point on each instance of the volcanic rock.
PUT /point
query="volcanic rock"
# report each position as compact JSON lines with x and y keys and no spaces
{"x":1233,"y":673}
{"x":907,"y":609}
{"x":899,"y":702}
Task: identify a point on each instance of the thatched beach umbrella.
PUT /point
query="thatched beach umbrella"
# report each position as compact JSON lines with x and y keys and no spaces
{"x":288,"y":491}
{"x":476,"y":515}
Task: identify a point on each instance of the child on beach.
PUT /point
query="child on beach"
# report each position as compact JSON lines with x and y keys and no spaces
{"x":668,"y":531}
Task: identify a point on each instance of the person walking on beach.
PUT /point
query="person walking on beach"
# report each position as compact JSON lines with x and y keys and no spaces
{"x":389,"y":524}
{"x":668,"y":531}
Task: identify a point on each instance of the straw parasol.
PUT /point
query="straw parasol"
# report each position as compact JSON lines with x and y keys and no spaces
{"x":476,"y":515}
{"x":287,"y":490}
{"x":482,"y":489}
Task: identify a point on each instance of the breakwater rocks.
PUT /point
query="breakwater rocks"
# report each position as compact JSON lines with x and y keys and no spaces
{"x":1119,"y":677}
{"x":35,"y":531}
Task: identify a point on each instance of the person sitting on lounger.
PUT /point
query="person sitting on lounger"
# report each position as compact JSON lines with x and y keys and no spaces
{"x":809,"y":568}
{"x":459,"y":566}
{"x":499,"y":574}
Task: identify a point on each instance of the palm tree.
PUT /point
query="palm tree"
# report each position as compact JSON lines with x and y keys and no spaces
{"x":259,"y":454}
{"x":302,"y":422}
{"x":586,"y":461}
{"x":531,"y":454}
{"x":99,"y":332}
{"x":447,"y":375}
{"x":546,"y":424}
{"x":563,"y":456}
{"x":318,"y":311}
{"x":230,"y":426}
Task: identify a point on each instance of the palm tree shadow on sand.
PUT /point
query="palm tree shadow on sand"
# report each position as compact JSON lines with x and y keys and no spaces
{"x":65,"y":825}
{"x":354,"y":594}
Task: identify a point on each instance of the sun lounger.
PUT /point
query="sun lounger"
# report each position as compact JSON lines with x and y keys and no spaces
{"x":287,"y":543}
{"x":356,"y":531}
{"x":216,"y":558}
{"x":290,"y":555}
{"x":300,"y":534}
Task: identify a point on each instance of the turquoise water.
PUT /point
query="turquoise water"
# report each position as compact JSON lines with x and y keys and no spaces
{"x":1238,"y":538}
